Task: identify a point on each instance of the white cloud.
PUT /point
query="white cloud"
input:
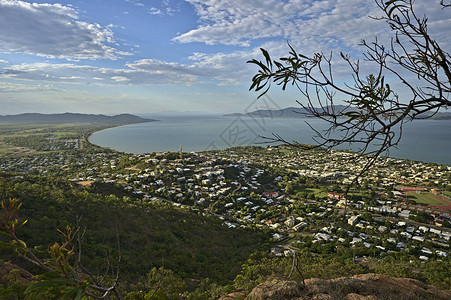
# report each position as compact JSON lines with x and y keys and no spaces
{"x":219,"y":68}
{"x":52,"y":30}
{"x":164,"y":9}
{"x":2,"y":61}
{"x":85,"y":74}
{"x":70,"y":77}
{"x":120,"y":79}
{"x":157,"y":66}
{"x":155,"y":11}
{"x":236,"y":22}
{"x":309,"y":25}
{"x":9,"y":87}
{"x":322,"y":24}
{"x":224,"y":69}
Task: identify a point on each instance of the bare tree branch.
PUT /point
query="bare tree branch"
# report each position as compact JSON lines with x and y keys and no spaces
{"x":373,"y":114}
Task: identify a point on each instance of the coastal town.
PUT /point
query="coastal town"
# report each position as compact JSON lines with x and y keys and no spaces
{"x":228,"y":150}
{"x":297,"y":195}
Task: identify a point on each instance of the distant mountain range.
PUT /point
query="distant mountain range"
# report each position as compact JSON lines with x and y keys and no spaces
{"x":70,"y":118}
{"x":442,"y":116}
{"x":289,"y":112}
{"x":299,"y":112}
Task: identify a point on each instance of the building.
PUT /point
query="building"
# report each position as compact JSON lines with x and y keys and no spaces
{"x":353,"y":220}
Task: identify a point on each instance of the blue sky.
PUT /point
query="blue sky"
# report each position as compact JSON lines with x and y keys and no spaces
{"x":146,"y":56}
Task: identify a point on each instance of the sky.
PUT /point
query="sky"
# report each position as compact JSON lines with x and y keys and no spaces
{"x":148,"y":56}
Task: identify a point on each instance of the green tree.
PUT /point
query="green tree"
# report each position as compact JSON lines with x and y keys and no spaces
{"x":12,"y":287}
{"x":63,"y":270}
{"x":165,"y":280}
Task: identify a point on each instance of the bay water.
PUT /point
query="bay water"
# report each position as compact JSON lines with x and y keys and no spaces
{"x":422,"y":140}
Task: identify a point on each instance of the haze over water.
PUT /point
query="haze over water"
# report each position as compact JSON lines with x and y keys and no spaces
{"x":423,"y":140}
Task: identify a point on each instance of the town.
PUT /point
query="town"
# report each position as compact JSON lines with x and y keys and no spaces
{"x":298,"y":195}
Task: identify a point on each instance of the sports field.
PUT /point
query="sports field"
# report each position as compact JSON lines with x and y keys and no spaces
{"x":429,"y":199}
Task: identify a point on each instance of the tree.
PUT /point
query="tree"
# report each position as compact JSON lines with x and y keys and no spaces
{"x":63,"y":270}
{"x":373,"y":115}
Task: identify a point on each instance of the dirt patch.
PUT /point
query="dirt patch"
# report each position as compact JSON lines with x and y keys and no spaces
{"x":9,"y":149}
{"x":133,"y":168}
{"x":86,"y":183}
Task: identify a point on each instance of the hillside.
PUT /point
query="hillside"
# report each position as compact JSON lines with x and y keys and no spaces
{"x":66,"y":118}
{"x":289,"y":112}
{"x":192,"y":247}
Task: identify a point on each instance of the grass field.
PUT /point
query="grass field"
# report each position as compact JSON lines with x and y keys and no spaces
{"x":317,"y":192}
{"x":424,"y":198}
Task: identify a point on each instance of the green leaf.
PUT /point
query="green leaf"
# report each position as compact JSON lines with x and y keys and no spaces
{"x":49,"y":275}
{"x":49,"y":283}
{"x":253,"y":61}
{"x":148,"y":295}
{"x":388,"y":3}
{"x":6,"y":234}
{"x":267,"y":57}
{"x":77,"y":292}
{"x":19,"y":244}
{"x":279,"y":65}
{"x":352,"y":115}
{"x":396,"y":6}
{"x":6,"y":245}
{"x":80,"y":294}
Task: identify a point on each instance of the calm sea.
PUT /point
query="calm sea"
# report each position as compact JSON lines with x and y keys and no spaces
{"x":423,"y":140}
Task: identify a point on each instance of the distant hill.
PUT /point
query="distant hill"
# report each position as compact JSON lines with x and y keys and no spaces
{"x":289,"y":112}
{"x":299,"y":112}
{"x":69,"y":118}
{"x":441,"y":116}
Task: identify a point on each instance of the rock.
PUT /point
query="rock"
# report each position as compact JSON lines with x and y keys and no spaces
{"x":25,"y":277}
{"x":276,"y":289}
{"x":354,"y":296}
{"x":316,"y":297}
{"x":358,"y":287}
{"x":232,"y":296}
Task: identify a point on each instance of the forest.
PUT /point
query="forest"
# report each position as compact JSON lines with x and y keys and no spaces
{"x":192,"y":247}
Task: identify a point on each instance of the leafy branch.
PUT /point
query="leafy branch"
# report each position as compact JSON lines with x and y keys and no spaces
{"x":63,"y":269}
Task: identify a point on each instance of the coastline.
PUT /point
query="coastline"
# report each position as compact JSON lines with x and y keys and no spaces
{"x":89,"y":134}
{"x":424,"y":141}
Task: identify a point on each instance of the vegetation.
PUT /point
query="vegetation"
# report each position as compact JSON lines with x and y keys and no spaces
{"x":189,"y":245}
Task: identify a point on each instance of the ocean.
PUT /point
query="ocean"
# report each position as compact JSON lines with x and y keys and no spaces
{"x":422,"y":140}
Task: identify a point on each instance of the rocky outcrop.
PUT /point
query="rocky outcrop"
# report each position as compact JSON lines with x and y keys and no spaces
{"x":358,"y":287}
{"x":22,"y":275}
